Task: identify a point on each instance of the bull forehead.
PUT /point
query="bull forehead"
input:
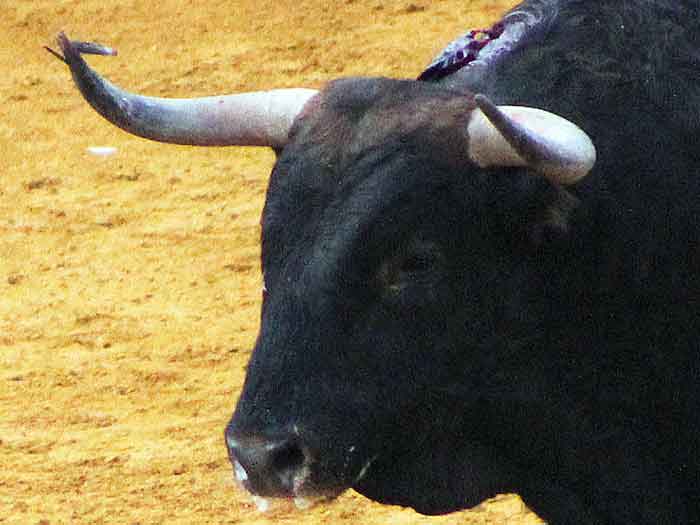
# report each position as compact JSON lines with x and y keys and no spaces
{"x":362,"y":149}
{"x":354,"y":115}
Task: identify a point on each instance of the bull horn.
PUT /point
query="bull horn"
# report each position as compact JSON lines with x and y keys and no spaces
{"x":261,"y":118}
{"x":522,"y":136}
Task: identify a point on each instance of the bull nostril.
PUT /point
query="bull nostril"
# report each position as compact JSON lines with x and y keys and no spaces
{"x":288,"y":458}
{"x":269,"y":466}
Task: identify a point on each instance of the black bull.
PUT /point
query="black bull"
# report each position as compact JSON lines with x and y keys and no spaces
{"x":464,"y":299}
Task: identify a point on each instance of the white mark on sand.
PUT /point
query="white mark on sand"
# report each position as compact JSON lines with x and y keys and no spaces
{"x":101,"y":151}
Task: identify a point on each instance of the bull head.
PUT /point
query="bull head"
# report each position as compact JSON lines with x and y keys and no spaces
{"x":498,"y":136}
{"x":272,"y":454}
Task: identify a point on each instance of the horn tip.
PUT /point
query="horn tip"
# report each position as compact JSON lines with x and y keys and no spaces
{"x":482,"y":100}
{"x":70,"y":53}
{"x":56,"y":54}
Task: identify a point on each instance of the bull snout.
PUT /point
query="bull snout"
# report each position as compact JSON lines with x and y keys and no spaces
{"x":270,"y":465}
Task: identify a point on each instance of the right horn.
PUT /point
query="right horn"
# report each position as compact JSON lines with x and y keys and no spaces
{"x":522,"y":136}
{"x":261,"y":118}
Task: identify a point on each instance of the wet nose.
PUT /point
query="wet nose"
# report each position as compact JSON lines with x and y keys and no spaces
{"x":271,"y":465}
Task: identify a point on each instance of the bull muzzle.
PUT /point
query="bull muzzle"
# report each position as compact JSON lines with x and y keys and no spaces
{"x":270,"y":466}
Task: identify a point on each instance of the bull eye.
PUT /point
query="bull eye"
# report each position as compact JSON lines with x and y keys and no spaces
{"x":416,"y":267}
{"x":417,"y":263}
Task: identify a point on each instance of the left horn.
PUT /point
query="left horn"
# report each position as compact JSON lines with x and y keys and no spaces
{"x":522,"y":136}
{"x":261,"y":118}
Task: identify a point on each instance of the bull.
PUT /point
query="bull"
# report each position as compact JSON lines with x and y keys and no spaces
{"x":485,"y":280}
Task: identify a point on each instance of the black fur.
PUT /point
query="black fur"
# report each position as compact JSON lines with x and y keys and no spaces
{"x":474,"y":331}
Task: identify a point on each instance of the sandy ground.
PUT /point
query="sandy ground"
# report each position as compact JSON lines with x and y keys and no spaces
{"x":129,"y":285}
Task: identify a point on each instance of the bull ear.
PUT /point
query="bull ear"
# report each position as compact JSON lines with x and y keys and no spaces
{"x":534,"y":213}
{"x":521,"y":136}
{"x":248,"y":119}
{"x":552,"y":220}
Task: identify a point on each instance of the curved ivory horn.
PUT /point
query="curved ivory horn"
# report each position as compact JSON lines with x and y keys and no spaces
{"x":261,"y":118}
{"x":522,"y":136}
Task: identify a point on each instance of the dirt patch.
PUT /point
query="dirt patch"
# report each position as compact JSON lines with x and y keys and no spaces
{"x":129,"y":284}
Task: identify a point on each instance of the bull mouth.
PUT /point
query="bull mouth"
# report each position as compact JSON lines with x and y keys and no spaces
{"x":300,"y":497}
